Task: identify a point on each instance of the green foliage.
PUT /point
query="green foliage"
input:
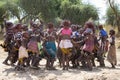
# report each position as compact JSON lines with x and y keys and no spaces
{"x":2,"y":11}
{"x":30,"y":6}
{"x":78,"y":13}
{"x":13,"y":9}
{"x":110,"y":16}
{"x":48,"y":10}
{"x":51,"y":10}
{"x":90,"y":11}
{"x":45,"y":9}
{"x":75,"y":1}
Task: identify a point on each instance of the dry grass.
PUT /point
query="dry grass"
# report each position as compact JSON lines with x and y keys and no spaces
{"x":108,"y":28}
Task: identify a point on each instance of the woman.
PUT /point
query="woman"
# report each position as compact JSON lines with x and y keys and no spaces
{"x":88,"y":46}
{"x":33,"y":48}
{"x":50,"y":46}
{"x":65,"y":43}
{"x":111,"y":57}
{"x":89,"y":37}
{"x":8,"y":40}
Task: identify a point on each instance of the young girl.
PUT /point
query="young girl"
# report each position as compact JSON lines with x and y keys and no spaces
{"x":88,"y":46}
{"x":103,"y":39}
{"x":22,"y":55}
{"x":111,"y":57}
{"x":50,"y":46}
{"x":65,"y":43}
{"x":89,"y":39}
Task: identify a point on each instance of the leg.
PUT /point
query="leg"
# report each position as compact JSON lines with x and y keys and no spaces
{"x":67,"y":62}
{"x":35,"y":60}
{"x":6,"y":61}
{"x":113,"y":66}
{"x":63,"y":61}
{"x":48,"y":63}
{"x":52,"y":63}
{"x":101,"y":61}
{"x":59,"y":56}
{"x":93,"y":62}
{"x":88,"y":60}
{"x":29,"y":58}
{"x":20,"y":65}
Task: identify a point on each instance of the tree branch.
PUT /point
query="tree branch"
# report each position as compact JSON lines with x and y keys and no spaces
{"x":24,"y":17}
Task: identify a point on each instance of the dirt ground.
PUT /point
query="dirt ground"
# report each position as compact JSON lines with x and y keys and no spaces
{"x":107,"y":73}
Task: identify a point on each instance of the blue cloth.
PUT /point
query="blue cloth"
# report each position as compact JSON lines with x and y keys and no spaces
{"x":103,"y":33}
{"x":51,"y":48}
{"x":75,"y":34}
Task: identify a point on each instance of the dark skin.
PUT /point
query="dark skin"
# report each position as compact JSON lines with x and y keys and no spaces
{"x":66,"y":57}
{"x":112,"y":33}
{"x":50,"y":60}
{"x":8,"y":44}
{"x":21,"y":63}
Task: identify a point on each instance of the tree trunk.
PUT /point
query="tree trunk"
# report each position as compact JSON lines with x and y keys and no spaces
{"x":20,"y":21}
{"x":116,"y":15}
{"x":118,"y":25}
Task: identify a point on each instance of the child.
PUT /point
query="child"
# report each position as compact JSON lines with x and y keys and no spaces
{"x":50,"y":46}
{"x":89,"y":39}
{"x":111,"y":57}
{"x":75,"y":33}
{"x":22,"y":55}
{"x":65,"y":44}
{"x":103,"y":37}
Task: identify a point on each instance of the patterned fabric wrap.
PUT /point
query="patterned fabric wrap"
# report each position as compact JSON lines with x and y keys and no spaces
{"x":75,"y":34}
{"x":65,"y":44}
{"x":51,"y":48}
{"x":88,"y":30}
{"x":89,"y":44}
{"x":66,"y":50}
{"x":33,"y":46}
{"x":18,"y":36}
{"x":111,"y":57}
{"x":23,"y":52}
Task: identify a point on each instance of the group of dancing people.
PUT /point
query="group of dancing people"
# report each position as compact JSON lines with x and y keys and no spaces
{"x":67,"y":43}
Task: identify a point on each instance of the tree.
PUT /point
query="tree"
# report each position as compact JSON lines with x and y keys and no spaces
{"x":15,"y":10}
{"x":110,"y":17}
{"x":2,"y":11}
{"x":78,"y":13}
{"x":3,"y":14}
{"x":51,"y":10}
{"x":116,"y":13}
{"x":89,"y":12}
{"x":45,"y":9}
{"x":75,"y":1}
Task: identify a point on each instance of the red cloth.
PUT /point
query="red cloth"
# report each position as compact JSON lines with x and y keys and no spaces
{"x":89,"y":44}
{"x":32,"y":46}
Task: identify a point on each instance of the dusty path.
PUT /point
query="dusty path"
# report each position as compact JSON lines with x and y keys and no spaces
{"x":8,"y":72}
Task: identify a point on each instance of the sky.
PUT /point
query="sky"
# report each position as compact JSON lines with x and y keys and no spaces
{"x":101,"y":5}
